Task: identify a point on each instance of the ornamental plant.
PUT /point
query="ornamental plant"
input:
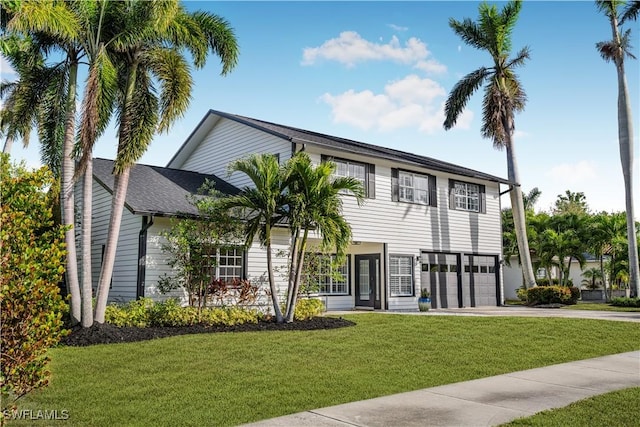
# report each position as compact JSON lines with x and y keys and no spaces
{"x":32,"y":256}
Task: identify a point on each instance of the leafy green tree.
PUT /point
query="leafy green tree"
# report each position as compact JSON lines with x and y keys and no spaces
{"x":615,"y":50}
{"x":503,"y":97}
{"x":315,"y":204}
{"x":192,"y":245}
{"x":572,"y":203}
{"x":593,"y":278}
{"x":32,"y":258}
{"x":151,"y":44}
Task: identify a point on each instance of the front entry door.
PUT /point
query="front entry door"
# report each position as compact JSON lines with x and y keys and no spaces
{"x":367,"y":281}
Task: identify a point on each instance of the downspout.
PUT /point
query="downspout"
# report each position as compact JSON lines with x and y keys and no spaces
{"x":147,"y":222}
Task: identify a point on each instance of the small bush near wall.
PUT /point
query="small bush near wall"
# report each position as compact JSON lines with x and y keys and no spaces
{"x":626,"y":302}
{"x":144,"y":312}
{"x":308,"y":308}
{"x":552,"y":295}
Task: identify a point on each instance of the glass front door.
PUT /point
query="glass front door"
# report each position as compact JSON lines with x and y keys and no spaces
{"x":367,"y":281}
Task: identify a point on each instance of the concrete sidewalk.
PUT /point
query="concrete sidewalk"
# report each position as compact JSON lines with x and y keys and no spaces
{"x":483,"y":402}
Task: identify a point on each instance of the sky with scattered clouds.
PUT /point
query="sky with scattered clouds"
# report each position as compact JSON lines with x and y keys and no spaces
{"x":380,"y":72}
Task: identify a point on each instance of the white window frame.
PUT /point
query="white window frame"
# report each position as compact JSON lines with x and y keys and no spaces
{"x":228,"y":272}
{"x":466,"y":196}
{"x":350,"y":166}
{"x":405,"y":280}
{"x":332,"y":286}
{"x":407,"y":190}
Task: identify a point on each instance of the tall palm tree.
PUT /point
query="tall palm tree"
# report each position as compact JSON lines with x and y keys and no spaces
{"x":616,"y":50}
{"x":150,"y":47}
{"x":315,"y":203}
{"x":263,"y":207}
{"x":503,"y":97}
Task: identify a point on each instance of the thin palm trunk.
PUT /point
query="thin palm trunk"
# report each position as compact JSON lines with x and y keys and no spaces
{"x":67,"y":196}
{"x":519,"y":220}
{"x":8,"y":144}
{"x":295,"y":286}
{"x":272,"y":281}
{"x":87,"y":285}
{"x":625,"y":136}
{"x":121,"y":181}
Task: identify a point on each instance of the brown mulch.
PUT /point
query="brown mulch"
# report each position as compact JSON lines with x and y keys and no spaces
{"x":108,"y":334}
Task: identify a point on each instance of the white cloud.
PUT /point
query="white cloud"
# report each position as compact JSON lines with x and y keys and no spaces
{"x":350,"y":48}
{"x":574,"y":173}
{"x":431,"y":66}
{"x":410,"y":102}
{"x":397,"y":27}
{"x":5,"y":68}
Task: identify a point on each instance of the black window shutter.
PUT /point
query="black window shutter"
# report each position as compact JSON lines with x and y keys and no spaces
{"x":394,"y":185}
{"x":433,"y":191}
{"x":245,"y":253}
{"x":452,"y":195}
{"x":371,"y":181}
{"x":483,"y":199}
{"x":324,"y":158}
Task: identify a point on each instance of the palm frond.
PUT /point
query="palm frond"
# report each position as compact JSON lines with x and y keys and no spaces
{"x":221,"y":38}
{"x":631,"y":11}
{"x":469,"y":32}
{"x":460,"y":94}
{"x":49,"y":17}
{"x":608,"y":50}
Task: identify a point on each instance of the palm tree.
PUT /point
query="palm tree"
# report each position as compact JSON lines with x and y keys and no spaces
{"x":503,"y":97}
{"x":315,"y":203}
{"x":615,"y":50}
{"x":150,"y":46}
{"x":263,"y":207}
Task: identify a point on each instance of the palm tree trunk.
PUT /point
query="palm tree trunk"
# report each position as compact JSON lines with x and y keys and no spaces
{"x":121,"y":182}
{"x":296,"y":279}
{"x":67,"y":199}
{"x":625,"y":137}
{"x":272,"y":281}
{"x":8,"y":144}
{"x":519,"y":219}
{"x":87,"y":285}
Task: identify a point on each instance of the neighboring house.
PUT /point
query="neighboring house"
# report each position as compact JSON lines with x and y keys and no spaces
{"x":513,"y":274}
{"x":425,"y":223}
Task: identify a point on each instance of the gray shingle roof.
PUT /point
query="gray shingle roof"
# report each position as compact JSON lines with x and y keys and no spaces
{"x":347,"y":145}
{"x":154,"y":190}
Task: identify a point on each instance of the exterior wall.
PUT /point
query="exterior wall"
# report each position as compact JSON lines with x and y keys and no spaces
{"x":125,"y":269}
{"x":409,"y":229}
{"x":229,"y":141}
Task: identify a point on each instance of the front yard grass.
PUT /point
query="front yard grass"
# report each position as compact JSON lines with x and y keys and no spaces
{"x":234,"y":378}
{"x":599,"y":307}
{"x":617,"y":408}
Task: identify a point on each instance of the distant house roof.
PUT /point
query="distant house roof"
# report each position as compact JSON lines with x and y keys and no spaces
{"x":302,"y":136}
{"x":154,"y":190}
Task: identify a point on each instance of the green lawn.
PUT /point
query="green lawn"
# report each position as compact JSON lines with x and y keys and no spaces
{"x":618,"y":408}
{"x":599,"y":307}
{"x":233,"y":378}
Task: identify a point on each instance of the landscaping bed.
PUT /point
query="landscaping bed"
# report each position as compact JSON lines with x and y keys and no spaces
{"x":107,"y":334}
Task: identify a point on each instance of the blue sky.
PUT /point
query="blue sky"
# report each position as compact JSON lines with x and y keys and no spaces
{"x":379,"y":72}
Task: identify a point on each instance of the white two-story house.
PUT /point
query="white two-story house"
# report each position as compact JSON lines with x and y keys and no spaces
{"x":425,"y":223}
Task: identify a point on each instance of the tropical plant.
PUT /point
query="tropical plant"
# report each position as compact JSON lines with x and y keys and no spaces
{"x":150,"y":47}
{"x":593,"y":278}
{"x":615,"y":50}
{"x":32,"y":258}
{"x":315,"y":204}
{"x":570,"y":202}
{"x":503,"y":97}
{"x":263,"y":207}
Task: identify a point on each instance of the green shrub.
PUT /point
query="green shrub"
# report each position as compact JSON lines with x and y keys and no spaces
{"x":552,"y":295}
{"x":308,"y":308}
{"x":134,"y":313}
{"x":171,"y":313}
{"x":625,"y":302}
{"x":522,"y":294}
{"x":32,"y":258}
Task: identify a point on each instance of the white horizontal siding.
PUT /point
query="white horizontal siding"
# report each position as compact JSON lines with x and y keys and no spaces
{"x":229,"y":141}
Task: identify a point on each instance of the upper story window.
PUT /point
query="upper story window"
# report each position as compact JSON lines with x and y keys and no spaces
{"x":363,"y":172}
{"x":466,"y":196}
{"x":412,"y":187}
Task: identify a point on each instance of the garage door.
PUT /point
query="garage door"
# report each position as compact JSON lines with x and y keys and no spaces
{"x":456,"y":280}
{"x":480,"y":281}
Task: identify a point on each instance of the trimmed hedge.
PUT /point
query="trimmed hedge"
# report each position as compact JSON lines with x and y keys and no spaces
{"x":307,"y":308}
{"x":625,"y":302}
{"x":145,"y":312}
{"x":553,"y":295}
